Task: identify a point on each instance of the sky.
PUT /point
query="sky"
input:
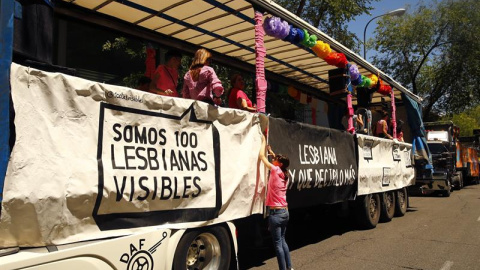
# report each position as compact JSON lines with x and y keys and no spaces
{"x":381,"y":7}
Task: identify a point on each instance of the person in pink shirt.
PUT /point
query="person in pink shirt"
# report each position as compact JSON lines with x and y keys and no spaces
{"x":201,"y":81}
{"x":165,"y":78}
{"x":381,"y":127}
{"x":276,"y":202}
{"x":237,"y":99}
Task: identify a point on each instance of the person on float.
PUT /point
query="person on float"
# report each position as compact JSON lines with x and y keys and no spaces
{"x":201,"y":81}
{"x":400,"y":131}
{"x":276,"y":202}
{"x":165,"y":78}
{"x":237,"y":99}
{"x":381,"y":127}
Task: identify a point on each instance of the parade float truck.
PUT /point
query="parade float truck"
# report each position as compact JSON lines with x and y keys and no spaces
{"x":467,"y":161}
{"x":442,"y":139}
{"x":99,"y":176}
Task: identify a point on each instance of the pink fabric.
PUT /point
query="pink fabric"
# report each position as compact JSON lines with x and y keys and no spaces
{"x":277,"y":188}
{"x":394,"y":115}
{"x":260,"y":52}
{"x":203,"y":89}
{"x":350,"y":129}
{"x":168,"y":79}
{"x":235,"y":94}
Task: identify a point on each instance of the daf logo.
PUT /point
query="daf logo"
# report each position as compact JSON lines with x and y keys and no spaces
{"x":138,"y":258}
{"x":142,"y":260}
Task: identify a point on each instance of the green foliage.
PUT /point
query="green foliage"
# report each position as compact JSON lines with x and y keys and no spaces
{"x":132,"y":79}
{"x":434,"y":51}
{"x":467,"y":121}
{"x":121,"y":43}
{"x":331,"y":16}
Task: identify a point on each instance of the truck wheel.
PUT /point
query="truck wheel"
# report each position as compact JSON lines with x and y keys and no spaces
{"x":205,"y":248}
{"x":401,"y":202}
{"x":368,"y":211}
{"x":447,"y":192}
{"x":460,"y":181}
{"x":388,"y":206}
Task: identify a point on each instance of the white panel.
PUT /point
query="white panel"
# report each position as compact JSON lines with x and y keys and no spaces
{"x":227,"y":48}
{"x":221,"y":22}
{"x":200,"y":39}
{"x":238,"y":4}
{"x":154,"y":23}
{"x":291,"y":53}
{"x":90,"y":4}
{"x":215,"y":44}
{"x":243,"y":37}
{"x":275,"y":43}
{"x":198,"y":18}
{"x":156,"y":5}
{"x":249,"y":13}
{"x":169,"y":29}
{"x":187,"y":34}
{"x":244,"y":27}
{"x":123,"y":12}
{"x":281,"y":48}
{"x":240,"y":52}
{"x":189,"y":9}
{"x":383,"y":165}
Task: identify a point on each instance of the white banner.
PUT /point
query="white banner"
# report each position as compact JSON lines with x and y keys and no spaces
{"x":93,"y":160}
{"x":383,"y":165}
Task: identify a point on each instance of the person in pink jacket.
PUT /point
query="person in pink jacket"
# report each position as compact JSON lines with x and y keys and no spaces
{"x":276,"y":202}
{"x":201,"y":81}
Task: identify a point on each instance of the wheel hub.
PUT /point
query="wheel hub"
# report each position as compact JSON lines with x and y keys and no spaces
{"x":204,"y":253}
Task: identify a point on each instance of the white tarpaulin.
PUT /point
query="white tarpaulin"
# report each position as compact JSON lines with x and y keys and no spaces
{"x":93,"y":160}
{"x":383,"y":165}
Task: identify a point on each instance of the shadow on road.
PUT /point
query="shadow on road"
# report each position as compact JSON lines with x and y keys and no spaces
{"x":304,"y":228}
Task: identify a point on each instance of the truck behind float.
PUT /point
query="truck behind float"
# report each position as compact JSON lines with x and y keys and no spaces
{"x":454,"y":160}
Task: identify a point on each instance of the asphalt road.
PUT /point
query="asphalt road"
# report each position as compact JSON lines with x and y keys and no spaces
{"x":436,"y":233}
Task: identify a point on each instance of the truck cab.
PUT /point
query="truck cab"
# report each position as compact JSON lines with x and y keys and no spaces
{"x":441,"y":140}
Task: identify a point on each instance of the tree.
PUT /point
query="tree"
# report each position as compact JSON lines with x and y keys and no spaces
{"x":331,"y":16}
{"x":467,"y":121}
{"x":434,"y":51}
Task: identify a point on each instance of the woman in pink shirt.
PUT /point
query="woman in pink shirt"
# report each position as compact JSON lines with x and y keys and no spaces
{"x":277,"y":203}
{"x":237,"y":99}
{"x":201,"y":82}
{"x":381,"y":127}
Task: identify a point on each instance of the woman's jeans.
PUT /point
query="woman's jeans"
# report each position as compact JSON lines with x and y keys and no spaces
{"x":277,"y":223}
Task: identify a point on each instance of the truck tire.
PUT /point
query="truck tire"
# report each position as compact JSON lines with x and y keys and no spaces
{"x":460,"y":180}
{"x":206,"y":248}
{"x":368,"y":211}
{"x":447,"y":192}
{"x":457,"y":181}
{"x":387,"y":206}
{"x":401,"y":202}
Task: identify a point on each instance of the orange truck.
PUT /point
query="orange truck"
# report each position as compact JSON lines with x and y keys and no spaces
{"x":467,"y":158}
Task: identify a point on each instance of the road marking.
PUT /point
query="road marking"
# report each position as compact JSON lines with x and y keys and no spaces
{"x":478,"y":219}
{"x":447,"y":265}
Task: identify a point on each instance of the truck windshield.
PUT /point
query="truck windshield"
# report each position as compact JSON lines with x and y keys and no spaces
{"x":437,"y":148}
